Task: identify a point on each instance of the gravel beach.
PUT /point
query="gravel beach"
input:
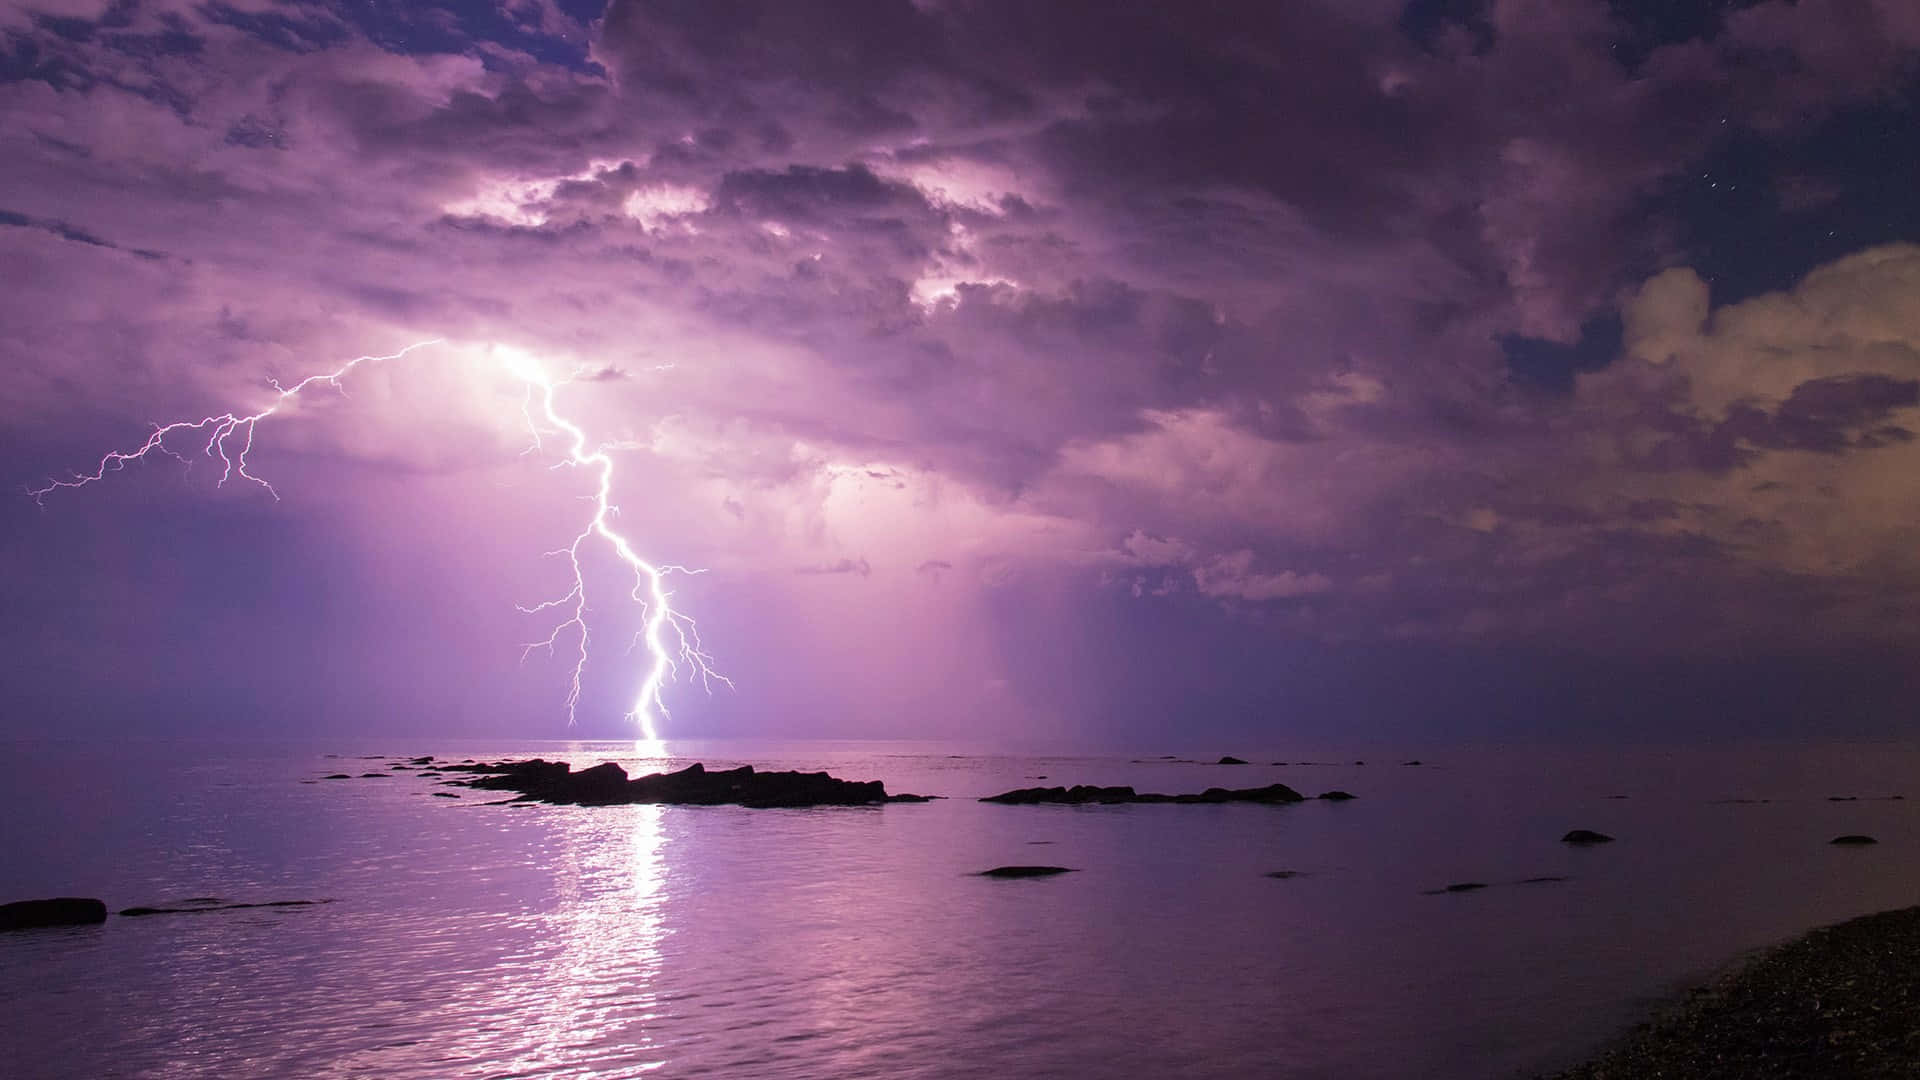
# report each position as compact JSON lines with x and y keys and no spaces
{"x":1842,"y":1001}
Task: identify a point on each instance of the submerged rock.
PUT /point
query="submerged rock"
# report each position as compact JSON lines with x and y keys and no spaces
{"x":1081,"y":794}
{"x":607,"y":785}
{"x":209,"y":904}
{"x":1025,"y":871}
{"x":57,"y":911}
{"x":1853,"y":840}
{"x":1586,"y":836}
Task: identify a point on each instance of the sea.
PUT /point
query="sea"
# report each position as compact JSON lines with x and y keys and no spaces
{"x":462,"y":938}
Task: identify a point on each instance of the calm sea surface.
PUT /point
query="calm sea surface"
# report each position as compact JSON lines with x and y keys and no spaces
{"x":485,"y":941}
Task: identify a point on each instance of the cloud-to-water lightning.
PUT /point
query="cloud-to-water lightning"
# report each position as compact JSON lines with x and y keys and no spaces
{"x":649,"y":580}
{"x":230,"y":438}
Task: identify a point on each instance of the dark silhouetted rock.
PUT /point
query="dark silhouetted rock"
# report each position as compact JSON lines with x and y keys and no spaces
{"x":444,"y":795}
{"x":1843,"y":798}
{"x":1338,"y":796}
{"x":1359,"y":763}
{"x":58,"y":911}
{"x":1082,"y":794}
{"x":1542,"y":880}
{"x":1415,"y":761}
{"x":1586,"y":836}
{"x":1853,"y":840}
{"x":1024,"y":871}
{"x":204,"y":905}
{"x":607,"y":785}
{"x":336,"y":776}
{"x":1230,"y":760}
{"x":1284,"y":874}
{"x":376,"y":776}
{"x":426,"y":760}
{"x":1464,"y":886}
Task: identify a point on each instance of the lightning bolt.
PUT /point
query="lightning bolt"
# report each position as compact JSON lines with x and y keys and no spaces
{"x":230,"y":437}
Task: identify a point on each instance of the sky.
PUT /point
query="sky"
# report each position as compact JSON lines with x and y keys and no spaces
{"x":1136,"y":374}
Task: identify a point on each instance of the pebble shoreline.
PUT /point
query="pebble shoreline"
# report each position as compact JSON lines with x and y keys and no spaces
{"x":1841,"y":1001}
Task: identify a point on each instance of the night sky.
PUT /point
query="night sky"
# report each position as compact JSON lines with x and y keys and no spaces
{"x":1173,"y":374}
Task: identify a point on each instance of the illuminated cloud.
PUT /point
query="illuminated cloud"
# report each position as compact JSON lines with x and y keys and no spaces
{"x":962,"y":310}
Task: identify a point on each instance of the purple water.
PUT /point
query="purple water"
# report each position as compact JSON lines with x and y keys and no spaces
{"x":486,"y":941}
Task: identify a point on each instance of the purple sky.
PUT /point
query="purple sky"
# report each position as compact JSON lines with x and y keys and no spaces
{"x":1154,"y":373}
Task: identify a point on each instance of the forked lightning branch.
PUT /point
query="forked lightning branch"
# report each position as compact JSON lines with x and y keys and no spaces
{"x":669,"y":638}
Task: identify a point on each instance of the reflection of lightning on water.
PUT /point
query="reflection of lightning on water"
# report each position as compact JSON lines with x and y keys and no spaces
{"x":229,"y":438}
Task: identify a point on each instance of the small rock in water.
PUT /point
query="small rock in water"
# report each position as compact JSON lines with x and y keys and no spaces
{"x":1586,"y":836}
{"x":375,"y":775}
{"x":1853,"y":840}
{"x":336,"y":776}
{"x":57,"y":911}
{"x":444,"y":795}
{"x":1415,"y":761}
{"x":1024,"y":871}
{"x":1464,"y":886}
{"x":1284,"y":874}
{"x":202,"y":902}
{"x":1843,"y":798}
{"x":1542,"y":880}
{"x":1337,"y":796}
{"x":1231,"y":760}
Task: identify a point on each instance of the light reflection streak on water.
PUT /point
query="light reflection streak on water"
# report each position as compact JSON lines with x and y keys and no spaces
{"x":601,"y":995}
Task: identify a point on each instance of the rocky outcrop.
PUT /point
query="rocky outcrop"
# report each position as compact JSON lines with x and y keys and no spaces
{"x":1586,"y":836}
{"x":1337,"y":796}
{"x":1025,"y":871}
{"x":1853,"y":840}
{"x":1082,"y":794}
{"x":57,"y":911}
{"x":608,"y":785}
{"x":1231,"y":760}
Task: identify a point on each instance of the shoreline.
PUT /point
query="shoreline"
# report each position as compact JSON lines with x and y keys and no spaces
{"x":1838,"y":1001}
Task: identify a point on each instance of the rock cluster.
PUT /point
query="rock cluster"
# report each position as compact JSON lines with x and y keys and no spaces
{"x":1081,"y":794}
{"x":696,"y":785}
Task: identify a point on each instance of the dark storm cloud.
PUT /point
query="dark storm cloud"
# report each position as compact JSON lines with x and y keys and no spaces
{"x":1346,"y":319}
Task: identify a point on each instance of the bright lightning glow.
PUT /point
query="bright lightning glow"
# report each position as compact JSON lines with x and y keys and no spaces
{"x":649,"y":588}
{"x":230,"y":437}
